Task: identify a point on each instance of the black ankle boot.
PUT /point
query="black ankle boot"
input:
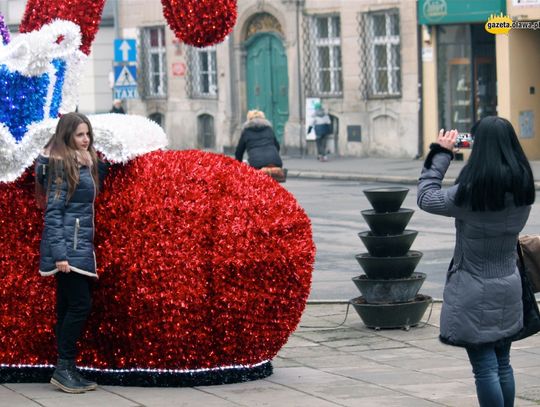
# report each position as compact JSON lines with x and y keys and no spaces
{"x":64,"y":378}
{"x":88,"y":384}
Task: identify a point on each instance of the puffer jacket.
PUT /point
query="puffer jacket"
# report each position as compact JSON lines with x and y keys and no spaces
{"x":482,"y":294}
{"x":261,"y":144}
{"x":319,"y":120}
{"x":69,"y":226}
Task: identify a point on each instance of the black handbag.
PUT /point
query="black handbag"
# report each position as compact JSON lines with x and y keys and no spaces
{"x":531,"y":315}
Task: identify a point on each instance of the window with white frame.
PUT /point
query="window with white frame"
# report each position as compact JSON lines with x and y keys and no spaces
{"x":326,"y":68}
{"x":202,"y":72}
{"x":383,"y":53}
{"x":154,"y":62}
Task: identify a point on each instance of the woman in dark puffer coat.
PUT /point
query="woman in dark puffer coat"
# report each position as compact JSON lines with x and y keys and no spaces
{"x":491,"y":201}
{"x":68,"y":172}
{"x":259,"y":140}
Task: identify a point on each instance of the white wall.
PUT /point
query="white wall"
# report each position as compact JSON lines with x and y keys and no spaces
{"x":95,"y":91}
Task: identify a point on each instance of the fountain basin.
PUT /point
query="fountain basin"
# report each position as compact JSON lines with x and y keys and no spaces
{"x":390,"y":245}
{"x":387,"y":199}
{"x":390,"y":223}
{"x":389,"y":267}
{"x":398,"y":315}
{"x":377,"y":291}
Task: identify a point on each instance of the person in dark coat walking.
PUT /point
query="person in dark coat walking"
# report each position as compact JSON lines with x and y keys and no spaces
{"x":259,"y":140}
{"x":117,"y":107}
{"x":67,"y":171}
{"x":491,"y":201}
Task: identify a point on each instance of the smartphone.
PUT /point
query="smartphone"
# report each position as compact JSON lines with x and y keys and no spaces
{"x":463,"y":140}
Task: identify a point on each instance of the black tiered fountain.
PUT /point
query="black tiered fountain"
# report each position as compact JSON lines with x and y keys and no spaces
{"x":390,"y":286}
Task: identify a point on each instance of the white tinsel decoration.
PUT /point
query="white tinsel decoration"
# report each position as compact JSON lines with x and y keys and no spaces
{"x":122,"y":137}
{"x":15,"y":158}
{"x":31,"y":53}
{"x":119,"y":137}
{"x":70,"y":91}
{"x":15,"y":56}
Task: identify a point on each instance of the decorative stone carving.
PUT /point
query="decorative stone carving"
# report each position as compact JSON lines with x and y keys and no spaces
{"x":263,"y":22}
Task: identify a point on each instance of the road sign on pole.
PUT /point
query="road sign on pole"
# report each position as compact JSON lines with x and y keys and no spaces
{"x":125,"y":69}
{"x":125,"y":50}
{"x":125,"y":82}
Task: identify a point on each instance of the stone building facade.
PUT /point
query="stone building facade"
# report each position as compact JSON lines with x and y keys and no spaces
{"x":358,"y":57}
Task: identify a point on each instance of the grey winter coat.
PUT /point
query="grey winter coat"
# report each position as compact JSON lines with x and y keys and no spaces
{"x":482,"y":294}
{"x":69,"y":226}
{"x":261,"y":144}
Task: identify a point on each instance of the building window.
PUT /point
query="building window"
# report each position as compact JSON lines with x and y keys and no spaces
{"x":154,"y":62}
{"x":466,"y":75}
{"x":382,"y":54}
{"x":323,"y":57}
{"x":157,"y":118}
{"x":206,"y":134}
{"x":202,"y":72}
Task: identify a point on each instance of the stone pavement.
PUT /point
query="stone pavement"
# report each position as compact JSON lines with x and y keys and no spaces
{"x":347,"y":366}
{"x":372,"y":169}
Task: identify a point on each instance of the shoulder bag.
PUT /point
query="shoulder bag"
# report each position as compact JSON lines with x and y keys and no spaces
{"x":531,"y":315}
{"x":530,"y":247}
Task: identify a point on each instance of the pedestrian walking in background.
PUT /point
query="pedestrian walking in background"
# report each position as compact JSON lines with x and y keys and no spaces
{"x":322,"y":124}
{"x":117,"y":107}
{"x":67,"y":170}
{"x":259,"y":140}
{"x":491,"y":200}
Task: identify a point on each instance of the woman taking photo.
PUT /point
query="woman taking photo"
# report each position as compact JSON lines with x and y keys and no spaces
{"x":67,"y":171}
{"x":491,"y":201}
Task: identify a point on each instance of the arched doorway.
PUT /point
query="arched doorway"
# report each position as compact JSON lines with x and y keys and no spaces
{"x":267,"y":81}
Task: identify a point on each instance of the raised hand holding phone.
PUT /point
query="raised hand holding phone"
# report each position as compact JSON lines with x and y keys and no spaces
{"x":447,"y":139}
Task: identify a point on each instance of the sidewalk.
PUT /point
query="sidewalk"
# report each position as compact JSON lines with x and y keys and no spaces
{"x":348,"y":366}
{"x":370,"y":169}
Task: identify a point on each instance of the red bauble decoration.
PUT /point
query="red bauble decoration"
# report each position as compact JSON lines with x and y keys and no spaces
{"x":85,"y":13}
{"x":203,"y":261}
{"x":200,"y":22}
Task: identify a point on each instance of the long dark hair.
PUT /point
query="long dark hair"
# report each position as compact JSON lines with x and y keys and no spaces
{"x":62,"y":153}
{"x":497,"y":165}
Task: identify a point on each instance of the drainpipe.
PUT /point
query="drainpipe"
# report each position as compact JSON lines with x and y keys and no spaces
{"x":301,"y":118}
{"x":116,"y":15}
{"x":419,"y":42}
{"x":233,"y":86}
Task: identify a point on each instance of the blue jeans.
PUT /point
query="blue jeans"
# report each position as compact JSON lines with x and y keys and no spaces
{"x":493,"y":375}
{"x":321,"y":145}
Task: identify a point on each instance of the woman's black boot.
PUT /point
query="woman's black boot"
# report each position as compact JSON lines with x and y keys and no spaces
{"x":64,"y":378}
{"x":88,"y":384}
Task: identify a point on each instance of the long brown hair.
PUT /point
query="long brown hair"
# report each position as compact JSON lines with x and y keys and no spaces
{"x":63,"y":153}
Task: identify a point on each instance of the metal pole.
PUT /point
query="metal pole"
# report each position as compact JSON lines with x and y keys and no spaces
{"x":299,"y":81}
{"x":420,"y":44}
{"x":116,"y":12}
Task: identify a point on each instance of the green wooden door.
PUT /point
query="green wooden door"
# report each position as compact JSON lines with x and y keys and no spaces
{"x":267,"y":79}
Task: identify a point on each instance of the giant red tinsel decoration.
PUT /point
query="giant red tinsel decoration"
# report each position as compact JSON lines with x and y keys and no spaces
{"x":203,"y":262}
{"x":85,"y":13}
{"x":200,"y":22}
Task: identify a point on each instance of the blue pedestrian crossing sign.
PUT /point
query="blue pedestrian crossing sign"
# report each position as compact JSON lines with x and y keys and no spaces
{"x":125,"y":50}
{"x":125,"y":82}
{"x":125,"y":75}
